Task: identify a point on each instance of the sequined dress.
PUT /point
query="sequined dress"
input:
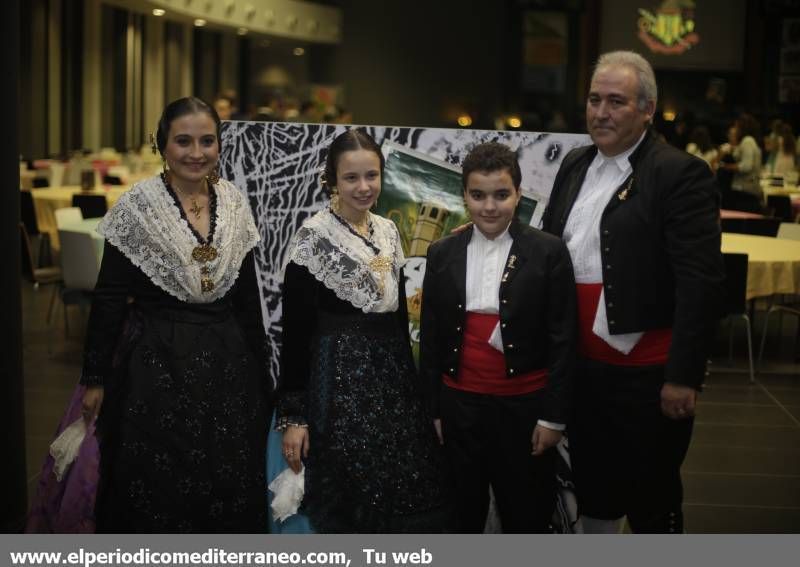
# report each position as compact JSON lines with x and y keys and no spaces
{"x":184,"y":419}
{"x":374,"y":463}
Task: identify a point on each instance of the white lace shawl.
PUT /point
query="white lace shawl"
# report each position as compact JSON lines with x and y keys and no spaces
{"x":340,"y":260}
{"x":147,"y":227}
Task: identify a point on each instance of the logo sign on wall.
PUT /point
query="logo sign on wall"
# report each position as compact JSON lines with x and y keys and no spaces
{"x":671,"y":29}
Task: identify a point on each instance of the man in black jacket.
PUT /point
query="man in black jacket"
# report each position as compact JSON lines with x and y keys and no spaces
{"x":640,"y":219}
{"x":497,"y":348}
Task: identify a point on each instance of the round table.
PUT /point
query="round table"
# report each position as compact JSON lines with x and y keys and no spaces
{"x":47,"y":200}
{"x":773,"y":264}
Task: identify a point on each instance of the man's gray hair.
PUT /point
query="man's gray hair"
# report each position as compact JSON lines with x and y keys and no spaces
{"x":648,"y":90}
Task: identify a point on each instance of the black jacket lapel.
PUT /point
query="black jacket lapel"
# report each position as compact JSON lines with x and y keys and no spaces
{"x":516,"y":259}
{"x":457,"y":265}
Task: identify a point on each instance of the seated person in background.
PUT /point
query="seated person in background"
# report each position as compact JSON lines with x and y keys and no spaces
{"x":700,"y":145}
{"x":746,"y":167}
{"x":785,"y":159}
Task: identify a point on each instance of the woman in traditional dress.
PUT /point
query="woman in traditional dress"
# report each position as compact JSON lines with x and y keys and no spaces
{"x":176,"y":359}
{"x":350,"y":404}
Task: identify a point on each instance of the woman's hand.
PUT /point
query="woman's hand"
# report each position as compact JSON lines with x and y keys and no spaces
{"x":90,"y":405}
{"x":543,"y":438}
{"x":295,"y":444}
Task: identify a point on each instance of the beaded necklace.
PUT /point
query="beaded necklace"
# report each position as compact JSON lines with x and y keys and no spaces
{"x":204,"y":252}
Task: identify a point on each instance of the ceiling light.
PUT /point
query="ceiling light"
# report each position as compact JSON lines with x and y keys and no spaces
{"x":242,"y":31}
{"x":465,"y":120}
{"x":199,"y":22}
{"x":514,"y":121}
{"x":159,"y":12}
{"x":298,"y":51}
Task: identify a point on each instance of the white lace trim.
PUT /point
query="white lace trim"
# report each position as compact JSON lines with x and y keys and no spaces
{"x":340,"y":260}
{"x":147,"y":227}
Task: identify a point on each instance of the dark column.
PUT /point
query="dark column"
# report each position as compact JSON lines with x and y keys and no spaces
{"x":12,"y":418}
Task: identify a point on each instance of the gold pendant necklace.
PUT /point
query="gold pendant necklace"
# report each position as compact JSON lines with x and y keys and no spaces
{"x":361,"y":228}
{"x":196,"y":208}
{"x":204,"y":252}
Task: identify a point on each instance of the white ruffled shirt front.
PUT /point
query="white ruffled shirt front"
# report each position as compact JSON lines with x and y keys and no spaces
{"x":582,"y":234}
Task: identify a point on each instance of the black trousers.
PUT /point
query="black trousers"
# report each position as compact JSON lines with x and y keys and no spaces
{"x":487,"y":442}
{"x":626,"y":455}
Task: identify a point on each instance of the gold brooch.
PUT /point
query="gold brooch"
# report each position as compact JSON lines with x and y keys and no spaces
{"x":624,"y":193}
{"x":205,"y":253}
{"x":380,"y":265}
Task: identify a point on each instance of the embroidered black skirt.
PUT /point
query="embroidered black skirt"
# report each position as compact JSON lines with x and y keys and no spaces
{"x":183,"y":427}
{"x":374,"y":464}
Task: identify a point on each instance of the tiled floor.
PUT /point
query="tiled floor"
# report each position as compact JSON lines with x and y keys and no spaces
{"x":742,"y":474}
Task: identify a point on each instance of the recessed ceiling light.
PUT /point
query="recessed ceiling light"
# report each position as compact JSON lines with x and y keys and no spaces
{"x":298,"y":51}
{"x":199,"y":22}
{"x":159,"y":12}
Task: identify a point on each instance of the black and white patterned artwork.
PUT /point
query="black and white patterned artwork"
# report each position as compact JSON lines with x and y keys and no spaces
{"x":278,"y":164}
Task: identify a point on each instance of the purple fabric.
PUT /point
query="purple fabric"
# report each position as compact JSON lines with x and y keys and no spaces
{"x":68,"y":506}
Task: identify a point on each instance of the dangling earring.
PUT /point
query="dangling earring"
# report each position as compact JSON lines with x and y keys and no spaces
{"x":213,"y":177}
{"x":164,"y":166}
{"x":153,"y":144}
{"x":334,"y":199}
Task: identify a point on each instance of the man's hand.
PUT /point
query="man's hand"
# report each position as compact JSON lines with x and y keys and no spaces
{"x":678,"y":401}
{"x":543,"y":438}
{"x":461,"y":228}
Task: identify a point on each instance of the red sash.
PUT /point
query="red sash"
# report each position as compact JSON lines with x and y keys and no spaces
{"x":652,"y":348}
{"x":482,"y":368}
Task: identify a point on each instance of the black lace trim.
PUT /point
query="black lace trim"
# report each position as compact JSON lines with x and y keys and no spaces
{"x":91,"y":380}
{"x":290,"y":421}
{"x":367,"y":241}
{"x":212,"y":211}
{"x":291,"y":406}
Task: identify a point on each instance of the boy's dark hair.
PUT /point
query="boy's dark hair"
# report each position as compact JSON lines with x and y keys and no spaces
{"x":489,"y":157}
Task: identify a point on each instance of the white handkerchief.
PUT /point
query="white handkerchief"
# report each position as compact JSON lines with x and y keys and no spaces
{"x":289,"y":488}
{"x":496,"y":340}
{"x":623,"y":343}
{"x":65,"y":447}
